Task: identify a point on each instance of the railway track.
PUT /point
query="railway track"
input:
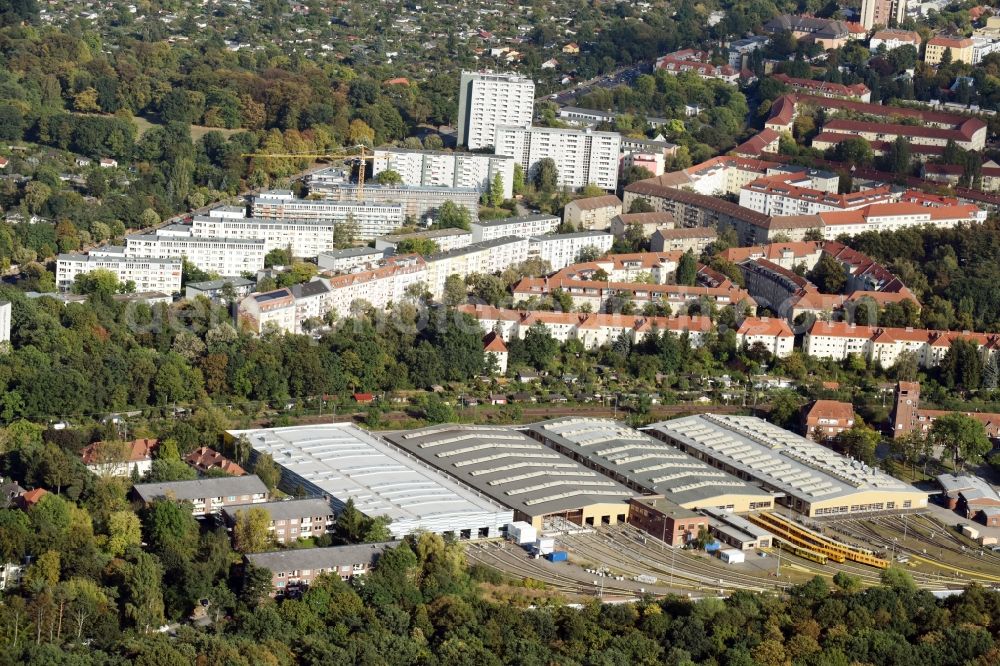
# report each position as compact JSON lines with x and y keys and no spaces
{"x":517,"y":562}
{"x":685,"y":565}
{"x":927,"y":532}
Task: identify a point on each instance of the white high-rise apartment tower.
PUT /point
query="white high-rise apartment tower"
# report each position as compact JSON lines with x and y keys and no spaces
{"x":486,"y":100}
{"x":582,"y":157}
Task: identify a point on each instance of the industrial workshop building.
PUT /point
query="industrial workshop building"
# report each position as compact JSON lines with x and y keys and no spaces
{"x":648,"y":466}
{"x":811,"y":478}
{"x":344,"y":462}
{"x":518,"y":472}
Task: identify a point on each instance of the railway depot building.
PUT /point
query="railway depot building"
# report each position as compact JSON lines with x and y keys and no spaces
{"x":648,"y":466}
{"x":519,"y":472}
{"x":344,"y":462}
{"x":811,"y":479}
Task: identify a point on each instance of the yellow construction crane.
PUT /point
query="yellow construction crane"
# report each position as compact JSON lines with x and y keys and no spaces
{"x":328,"y":156}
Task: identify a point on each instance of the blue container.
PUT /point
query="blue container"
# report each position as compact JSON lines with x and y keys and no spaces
{"x":712,"y":547}
{"x":558,"y":556}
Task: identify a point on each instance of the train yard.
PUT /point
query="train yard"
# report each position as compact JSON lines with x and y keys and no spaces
{"x":610,"y":561}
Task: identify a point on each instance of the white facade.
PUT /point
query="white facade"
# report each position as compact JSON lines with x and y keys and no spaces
{"x":147,"y":274}
{"x":561,"y":250}
{"x":306,"y":238}
{"x":445,"y":239}
{"x":372,"y":220}
{"x":486,"y":100}
{"x":582,"y":157}
{"x":520,"y":227}
{"x":429,"y":168}
{"x":379,"y":287}
{"x":223,"y":256}
{"x":349,"y":259}
{"x":486,"y":257}
{"x":4,"y":322}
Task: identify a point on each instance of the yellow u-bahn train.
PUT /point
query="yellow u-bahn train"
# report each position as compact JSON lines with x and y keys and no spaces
{"x":796,"y":535}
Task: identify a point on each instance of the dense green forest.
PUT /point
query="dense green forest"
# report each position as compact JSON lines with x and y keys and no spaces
{"x":91,"y":599}
{"x":954,"y":272}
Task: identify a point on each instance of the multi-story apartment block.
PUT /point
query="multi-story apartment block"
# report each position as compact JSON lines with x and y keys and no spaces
{"x":960,"y":49}
{"x":492,"y":256}
{"x":371,"y":219}
{"x":561,"y":250}
{"x":418,"y":202}
{"x":682,"y":240}
{"x":885,"y":345}
{"x":222,"y":256}
{"x":858,"y":91}
{"x":774,"y":334}
{"x":825,"y":419}
{"x":893,"y":38}
{"x":520,"y":227}
{"x":594,"y":213}
{"x":596,"y":329}
{"x":487,"y":100}
{"x":306,"y":238}
{"x":312,"y":301}
{"x":290,"y":520}
{"x":231,"y":212}
{"x":295,"y":569}
{"x":698,"y":63}
{"x":791,"y":194}
{"x":886,"y":13}
{"x":349,"y":259}
{"x":445,"y":239}
{"x":148,"y":274}
{"x":970,"y":135}
{"x":378,"y":287}
{"x":582,"y":157}
{"x":269,"y":311}
{"x":207,"y":496}
{"x":740,"y":49}
{"x":593,"y":330}
{"x":604,"y":295}
{"x":657,"y":267}
{"x":431,"y":168}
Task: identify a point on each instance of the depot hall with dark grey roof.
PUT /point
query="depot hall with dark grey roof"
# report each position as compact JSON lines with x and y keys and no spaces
{"x":518,"y":472}
{"x":649,"y":466}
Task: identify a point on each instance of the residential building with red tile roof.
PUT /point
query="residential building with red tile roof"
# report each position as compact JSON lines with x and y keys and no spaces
{"x":120,"y":458}
{"x":31,"y":498}
{"x":205,"y":459}
{"x":773,"y":333}
{"x":858,"y":91}
{"x":696,"y":62}
{"x":602,"y":295}
{"x":494,"y":346}
{"x":970,"y":135}
{"x":885,"y":345}
{"x":960,"y":49}
{"x":825,"y":419}
{"x":765,"y":141}
{"x":894,"y":38}
{"x":594,"y":330}
{"x":793,"y":194}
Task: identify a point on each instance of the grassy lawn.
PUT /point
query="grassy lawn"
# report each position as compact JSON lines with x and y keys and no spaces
{"x":197,"y":131}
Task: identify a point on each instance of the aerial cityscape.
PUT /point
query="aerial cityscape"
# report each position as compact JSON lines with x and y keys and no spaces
{"x":484,"y":333}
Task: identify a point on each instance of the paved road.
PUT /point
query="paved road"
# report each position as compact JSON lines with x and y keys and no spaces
{"x":622,"y":76}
